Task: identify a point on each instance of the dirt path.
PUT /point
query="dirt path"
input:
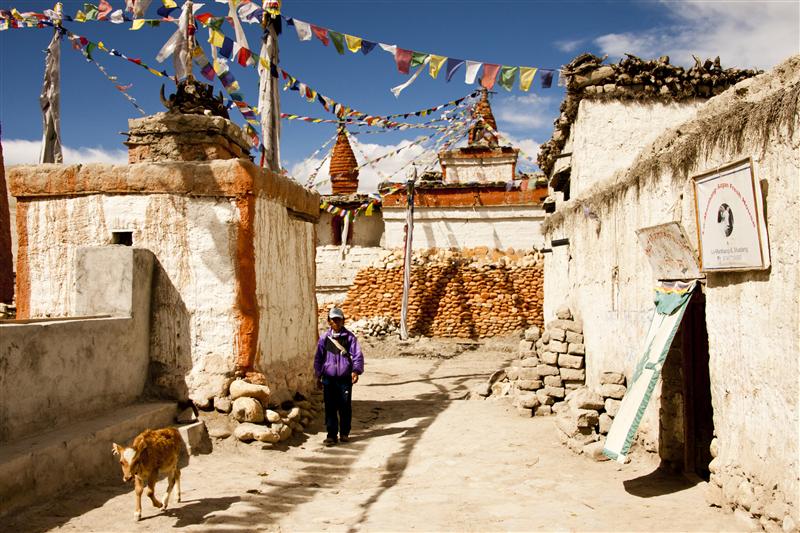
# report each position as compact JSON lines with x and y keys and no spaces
{"x":420,"y":460}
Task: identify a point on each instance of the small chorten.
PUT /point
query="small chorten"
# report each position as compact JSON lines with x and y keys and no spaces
{"x":478,"y":133}
{"x":344,"y":166}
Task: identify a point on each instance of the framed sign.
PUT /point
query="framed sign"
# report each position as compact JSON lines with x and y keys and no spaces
{"x":668,"y":250}
{"x":731,"y":231}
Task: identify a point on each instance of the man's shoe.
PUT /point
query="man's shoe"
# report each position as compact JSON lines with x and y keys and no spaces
{"x":344,"y":438}
{"x":329,"y":442}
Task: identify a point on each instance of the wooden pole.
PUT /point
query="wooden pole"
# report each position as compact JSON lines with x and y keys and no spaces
{"x":190,"y":29}
{"x":269,"y":102}
{"x":408,"y":253}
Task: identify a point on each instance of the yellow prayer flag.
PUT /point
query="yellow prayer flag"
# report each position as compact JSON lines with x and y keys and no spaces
{"x":353,"y":43}
{"x":216,"y":38}
{"x":101,"y":46}
{"x":436,"y":65}
{"x":169,"y":3}
{"x":526,"y":75}
{"x":369,"y":209}
{"x":137,"y":24}
{"x":80,"y":16}
{"x":264,"y":62}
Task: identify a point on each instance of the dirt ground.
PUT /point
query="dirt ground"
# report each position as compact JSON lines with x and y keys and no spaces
{"x":421,"y":459}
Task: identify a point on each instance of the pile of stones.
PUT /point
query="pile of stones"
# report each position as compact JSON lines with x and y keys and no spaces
{"x":585,"y":416}
{"x":550,"y":364}
{"x":469,"y":294}
{"x":256,"y":419}
{"x":633,"y":78}
{"x":377,"y":326}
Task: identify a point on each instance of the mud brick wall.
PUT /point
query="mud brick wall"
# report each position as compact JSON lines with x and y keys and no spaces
{"x":454,"y":294}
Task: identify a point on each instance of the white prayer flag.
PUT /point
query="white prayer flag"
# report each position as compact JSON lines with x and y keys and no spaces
{"x":472,"y":71}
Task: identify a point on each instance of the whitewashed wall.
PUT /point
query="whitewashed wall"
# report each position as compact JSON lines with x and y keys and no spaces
{"x":367,"y":231}
{"x":608,"y":135}
{"x":496,"y":168}
{"x":193,"y":239}
{"x":335,"y":274}
{"x":285,"y":253}
{"x":500,"y":227}
{"x":751,"y":317}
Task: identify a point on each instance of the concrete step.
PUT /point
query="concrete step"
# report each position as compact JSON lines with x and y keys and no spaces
{"x":49,"y":463}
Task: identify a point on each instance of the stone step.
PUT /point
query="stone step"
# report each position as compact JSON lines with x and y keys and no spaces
{"x":44,"y":465}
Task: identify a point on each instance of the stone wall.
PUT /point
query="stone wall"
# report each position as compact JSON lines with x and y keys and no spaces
{"x":472,"y":293}
{"x":55,"y":372}
{"x":609,"y":284}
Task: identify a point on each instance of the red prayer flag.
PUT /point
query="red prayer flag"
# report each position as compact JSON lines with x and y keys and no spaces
{"x":103,"y":10}
{"x":321,"y":34}
{"x":403,"y":59}
{"x":489,"y":75}
{"x":244,"y":55}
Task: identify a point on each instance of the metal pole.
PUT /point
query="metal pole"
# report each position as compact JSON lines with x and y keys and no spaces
{"x":408,"y":252}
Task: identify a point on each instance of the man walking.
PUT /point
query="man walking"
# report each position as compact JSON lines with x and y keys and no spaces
{"x":337,"y":365}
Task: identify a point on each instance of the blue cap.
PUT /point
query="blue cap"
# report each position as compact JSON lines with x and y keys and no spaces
{"x":336,"y":313}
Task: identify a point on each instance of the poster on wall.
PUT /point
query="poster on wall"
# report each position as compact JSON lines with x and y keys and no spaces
{"x":731,"y":231}
{"x":667,"y":248}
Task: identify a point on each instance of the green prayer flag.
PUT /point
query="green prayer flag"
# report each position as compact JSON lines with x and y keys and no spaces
{"x":338,"y":40}
{"x":418,"y":58}
{"x":507,"y":77}
{"x":91,"y":11}
{"x":89,"y":47}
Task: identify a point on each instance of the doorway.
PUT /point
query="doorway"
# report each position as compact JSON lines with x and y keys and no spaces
{"x":686,"y":415}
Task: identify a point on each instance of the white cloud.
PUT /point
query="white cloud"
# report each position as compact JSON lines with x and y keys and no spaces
{"x":569,"y":45}
{"x":525,"y":111}
{"x":743,"y":34}
{"x":528,"y":148}
{"x":21,"y":151}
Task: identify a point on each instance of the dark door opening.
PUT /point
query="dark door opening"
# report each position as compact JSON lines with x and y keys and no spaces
{"x":698,"y":412}
{"x":686,"y":416}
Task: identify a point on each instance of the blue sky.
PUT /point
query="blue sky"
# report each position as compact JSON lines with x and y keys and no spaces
{"x":535,"y":33}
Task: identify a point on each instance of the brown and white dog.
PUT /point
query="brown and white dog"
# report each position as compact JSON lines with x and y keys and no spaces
{"x":154,"y":453}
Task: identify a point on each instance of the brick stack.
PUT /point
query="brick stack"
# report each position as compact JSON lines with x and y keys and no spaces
{"x":470,"y":293}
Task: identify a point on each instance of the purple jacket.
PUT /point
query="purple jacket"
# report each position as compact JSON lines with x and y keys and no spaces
{"x":329,"y":362}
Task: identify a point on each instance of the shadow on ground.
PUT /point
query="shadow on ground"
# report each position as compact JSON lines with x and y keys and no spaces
{"x":658,"y":483}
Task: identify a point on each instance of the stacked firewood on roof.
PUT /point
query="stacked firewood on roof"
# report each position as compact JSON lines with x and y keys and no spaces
{"x":634,"y":78}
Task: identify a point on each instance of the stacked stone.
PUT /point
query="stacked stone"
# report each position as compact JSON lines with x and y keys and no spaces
{"x":374,"y":327}
{"x":454,"y":294}
{"x":549,"y":366}
{"x":586,"y":416}
{"x":633,"y":78}
{"x":248,"y":405}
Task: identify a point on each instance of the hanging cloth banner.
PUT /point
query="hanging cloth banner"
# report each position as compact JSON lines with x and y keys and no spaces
{"x":50,"y":102}
{"x":472,"y":71}
{"x":489,"y":75}
{"x":507,"y":77}
{"x":671,"y":299}
{"x":452,"y":66}
{"x":526,"y":75}
{"x":436,"y":65}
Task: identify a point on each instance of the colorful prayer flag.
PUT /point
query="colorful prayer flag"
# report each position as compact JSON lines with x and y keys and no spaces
{"x":452,"y":66}
{"x":353,"y":43}
{"x":137,"y":24}
{"x":436,"y":65}
{"x":216,"y":38}
{"x":547,"y":79}
{"x":321,"y":34}
{"x":472,"y":71}
{"x":303,"y":30}
{"x":338,"y":41}
{"x":526,"y":75}
{"x":367,"y":46}
{"x":489,"y":75}
{"x":418,"y":58}
{"x":403,"y":59}
{"x":507,"y":77}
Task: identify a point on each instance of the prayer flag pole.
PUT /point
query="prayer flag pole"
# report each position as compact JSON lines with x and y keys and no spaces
{"x":408,"y":252}
{"x":269,"y":102}
{"x":50,"y":98}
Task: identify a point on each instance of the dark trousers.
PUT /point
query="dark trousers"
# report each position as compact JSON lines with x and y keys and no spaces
{"x":337,"y":394}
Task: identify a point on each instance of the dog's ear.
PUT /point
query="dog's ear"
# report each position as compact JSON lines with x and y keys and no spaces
{"x":116,"y":449}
